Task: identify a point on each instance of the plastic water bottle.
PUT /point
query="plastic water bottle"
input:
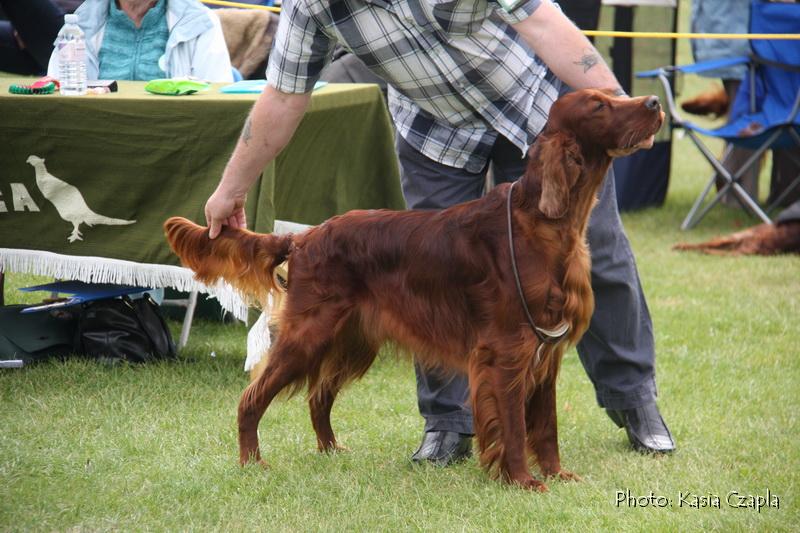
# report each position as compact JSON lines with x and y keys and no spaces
{"x":71,"y":47}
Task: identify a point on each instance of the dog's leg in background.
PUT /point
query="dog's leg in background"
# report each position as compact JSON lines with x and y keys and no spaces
{"x":498,"y":397}
{"x":349,"y":358}
{"x":320,"y":405}
{"x":542,"y":426}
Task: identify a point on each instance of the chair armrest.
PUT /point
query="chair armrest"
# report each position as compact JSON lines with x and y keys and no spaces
{"x":664,"y":73}
{"x":694,"y":68}
{"x":789,"y":67}
{"x":663,"y":76}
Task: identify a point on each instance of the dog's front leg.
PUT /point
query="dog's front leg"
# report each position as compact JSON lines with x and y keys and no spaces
{"x":498,"y":399}
{"x":542,"y":426}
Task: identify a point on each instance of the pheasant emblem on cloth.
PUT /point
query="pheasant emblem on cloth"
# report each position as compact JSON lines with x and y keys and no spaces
{"x":69,"y":201}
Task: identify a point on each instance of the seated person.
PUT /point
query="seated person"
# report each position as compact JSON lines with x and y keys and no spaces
{"x":150,"y":39}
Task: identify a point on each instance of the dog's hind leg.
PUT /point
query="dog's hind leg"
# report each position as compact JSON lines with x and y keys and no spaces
{"x":542,"y":427}
{"x":286,"y":365}
{"x":303,"y":352}
{"x":498,"y":403}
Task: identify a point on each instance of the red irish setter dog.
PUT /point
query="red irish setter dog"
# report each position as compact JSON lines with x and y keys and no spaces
{"x":441,"y":284}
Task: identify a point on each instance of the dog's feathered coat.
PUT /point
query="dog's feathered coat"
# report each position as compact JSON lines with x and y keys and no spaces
{"x":440,"y":284}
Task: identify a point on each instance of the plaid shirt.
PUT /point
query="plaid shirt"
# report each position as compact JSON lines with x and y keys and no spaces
{"x":458,"y":74}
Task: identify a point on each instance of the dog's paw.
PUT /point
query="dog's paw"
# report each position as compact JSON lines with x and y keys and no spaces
{"x":253,"y":457}
{"x":335,"y":448}
{"x":332,"y":447}
{"x":566,"y":475}
{"x":560,"y":473}
{"x":254,"y":463}
{"x":531,"y":484}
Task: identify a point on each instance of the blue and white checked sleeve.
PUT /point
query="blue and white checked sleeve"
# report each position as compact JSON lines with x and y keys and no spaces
{"x":299,"y":52}
{"x":519,"y":12}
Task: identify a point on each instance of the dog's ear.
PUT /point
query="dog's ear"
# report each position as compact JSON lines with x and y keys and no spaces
{"x":561,"y":165}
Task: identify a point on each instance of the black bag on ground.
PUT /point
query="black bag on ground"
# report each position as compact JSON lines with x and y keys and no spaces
{"x":123,"y":329}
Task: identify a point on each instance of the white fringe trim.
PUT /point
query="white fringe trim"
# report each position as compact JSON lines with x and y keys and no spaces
{"x":105,"y":270}
{"x":258,"y":339}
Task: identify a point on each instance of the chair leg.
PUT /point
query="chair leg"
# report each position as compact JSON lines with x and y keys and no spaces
{"x":749,"y":203}
{"x":714,"y":201}
{"x":693,"y":217}
{"x":796,"y":182}
{"x":689,"y":222}
{"x":786,"y":192}
{"x":744,"y":198}
{"x":731,"y":183}
{"x":187,"y":319}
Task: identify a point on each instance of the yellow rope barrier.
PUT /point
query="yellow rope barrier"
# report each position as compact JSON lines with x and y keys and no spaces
{"x":590,"y":33}
{"x":672,"y":35}
{"x":239,"y":4}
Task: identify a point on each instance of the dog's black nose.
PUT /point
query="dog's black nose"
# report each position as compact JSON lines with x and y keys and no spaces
{"x":653,"y":103}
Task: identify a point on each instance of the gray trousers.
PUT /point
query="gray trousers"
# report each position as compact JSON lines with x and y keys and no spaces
{"x":617,"y":351}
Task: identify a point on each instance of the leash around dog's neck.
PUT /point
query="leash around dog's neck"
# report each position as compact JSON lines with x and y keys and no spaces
{"x":545,"y":336}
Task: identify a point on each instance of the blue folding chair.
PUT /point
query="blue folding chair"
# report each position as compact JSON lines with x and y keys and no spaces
{"x":764,"y":114}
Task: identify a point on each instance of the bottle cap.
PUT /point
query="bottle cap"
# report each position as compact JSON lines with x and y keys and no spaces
{"x":72,"y":18}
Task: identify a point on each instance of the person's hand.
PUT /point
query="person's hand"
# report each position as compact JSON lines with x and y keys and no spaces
{"x":225,"y":209}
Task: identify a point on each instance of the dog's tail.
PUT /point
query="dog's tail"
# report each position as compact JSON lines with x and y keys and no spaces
{"x":244,"y":259}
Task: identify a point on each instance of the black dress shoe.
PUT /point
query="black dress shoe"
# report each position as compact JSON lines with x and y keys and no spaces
{"x":645,"y":428}
{"x":443,"y":448}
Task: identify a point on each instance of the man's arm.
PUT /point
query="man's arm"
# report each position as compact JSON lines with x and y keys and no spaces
{"x":267,"y":130}
{"x":563,"y":48}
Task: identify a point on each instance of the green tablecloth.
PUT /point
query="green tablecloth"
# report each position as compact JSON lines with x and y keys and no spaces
{"x":132,"y":156}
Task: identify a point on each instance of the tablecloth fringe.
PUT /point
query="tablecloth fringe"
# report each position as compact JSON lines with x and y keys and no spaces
{"x":258,"y":340}
{"x":105,"y":270}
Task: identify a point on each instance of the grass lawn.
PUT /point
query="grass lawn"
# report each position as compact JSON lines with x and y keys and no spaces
{"x":89,"y":447}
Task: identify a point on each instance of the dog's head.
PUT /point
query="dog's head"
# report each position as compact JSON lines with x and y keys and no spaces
{"x":585,"y":129}
{"x":597,"y":119}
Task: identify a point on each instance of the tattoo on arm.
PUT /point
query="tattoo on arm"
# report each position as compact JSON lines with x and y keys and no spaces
{"x":588,"y":60}
{"x":246,"y":134}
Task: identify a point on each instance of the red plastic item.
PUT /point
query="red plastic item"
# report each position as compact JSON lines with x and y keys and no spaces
{"x":41,"y":82}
